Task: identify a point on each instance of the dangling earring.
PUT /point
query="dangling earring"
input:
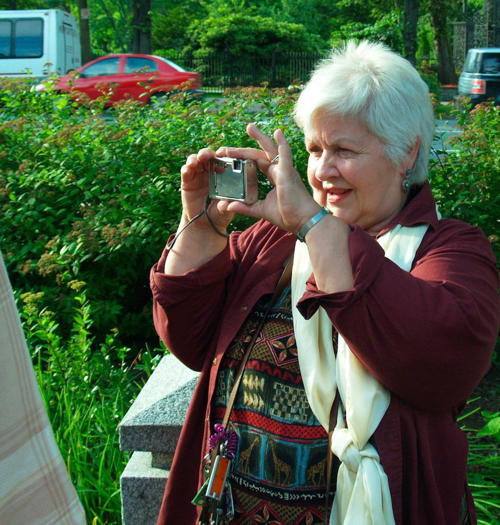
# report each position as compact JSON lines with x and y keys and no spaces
{"x":405,"y":183}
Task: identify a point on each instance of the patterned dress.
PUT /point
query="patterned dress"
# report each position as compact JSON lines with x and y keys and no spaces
{"x":278,"y":475}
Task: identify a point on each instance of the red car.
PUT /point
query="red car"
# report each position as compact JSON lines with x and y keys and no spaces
{"x":128,"y":76}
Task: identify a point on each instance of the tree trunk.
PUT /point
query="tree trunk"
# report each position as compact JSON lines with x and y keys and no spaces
{"x":83,"y":18}
{"x":141,"y":26}
{"x":446,"y":66}
{"x":410,"y":29}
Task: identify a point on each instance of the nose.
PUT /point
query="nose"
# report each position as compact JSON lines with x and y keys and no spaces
{"x":326,"y":167}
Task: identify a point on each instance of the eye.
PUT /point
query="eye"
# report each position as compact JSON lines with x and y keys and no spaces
{"x":345,"y":152}
{"x":314,"y":151}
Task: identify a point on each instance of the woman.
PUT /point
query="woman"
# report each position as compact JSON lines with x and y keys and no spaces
{"x":409,"y":300}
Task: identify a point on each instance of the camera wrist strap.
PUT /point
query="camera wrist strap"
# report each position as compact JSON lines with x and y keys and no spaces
{"x":171,"y":243}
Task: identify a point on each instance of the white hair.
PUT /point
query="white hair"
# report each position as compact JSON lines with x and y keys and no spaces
{"x":384,"y":91}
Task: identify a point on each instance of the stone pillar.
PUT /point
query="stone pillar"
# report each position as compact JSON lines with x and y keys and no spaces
{"x":151,"y":429}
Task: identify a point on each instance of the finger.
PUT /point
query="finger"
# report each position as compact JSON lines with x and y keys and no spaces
{"x":191,"y":160}
{"x":190,"y":167}
{"x":284,"y":150}
{"x":205,"y":155}
{"x":264,"y":141}
{"x":251,"y":210}
{"x":242,"y":153}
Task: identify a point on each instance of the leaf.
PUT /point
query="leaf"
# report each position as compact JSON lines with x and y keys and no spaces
{"x":491,"y":429}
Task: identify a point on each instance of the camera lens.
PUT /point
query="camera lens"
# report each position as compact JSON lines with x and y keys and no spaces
{"x":237,"y":165}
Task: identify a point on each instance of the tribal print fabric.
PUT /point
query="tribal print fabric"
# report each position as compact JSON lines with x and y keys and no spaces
{"x":279,"y":471}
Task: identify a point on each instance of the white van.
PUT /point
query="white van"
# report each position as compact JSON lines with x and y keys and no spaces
{"x":38,"y":43}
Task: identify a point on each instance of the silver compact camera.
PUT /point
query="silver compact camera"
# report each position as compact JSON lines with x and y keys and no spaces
{"x":233,"y":180}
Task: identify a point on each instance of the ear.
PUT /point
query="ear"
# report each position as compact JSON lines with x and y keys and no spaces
{"x":412,"y":155}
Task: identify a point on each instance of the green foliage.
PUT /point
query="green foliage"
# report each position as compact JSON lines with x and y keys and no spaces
{"x":243,"y":35}
{"x":169,"y":26}
{"x":426,"y":50}
{"x":466,"y":180}
{"x":428,"y":72}
{"x":238,"y":49}
{"x":317,"y":16}
{"x":93,"y":196}
{"x":110,"y":26}
{"x":385,"y":28}
{"x":86,"y":394}
{"x":483,"y":471}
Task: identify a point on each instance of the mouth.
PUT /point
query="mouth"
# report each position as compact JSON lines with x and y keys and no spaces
{"x":336,"y":195}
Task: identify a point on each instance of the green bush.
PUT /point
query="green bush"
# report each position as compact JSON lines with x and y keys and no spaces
{"x":241,"y":35}
{"x":93,"y":195}
{"x":240,"y":49}
{"x":466,"y":180}
{"x":483,"y":473}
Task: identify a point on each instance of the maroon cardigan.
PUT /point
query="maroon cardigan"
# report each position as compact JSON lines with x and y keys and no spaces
{"x":426,"y":335}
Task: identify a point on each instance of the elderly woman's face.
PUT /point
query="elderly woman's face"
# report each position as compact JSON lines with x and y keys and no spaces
{"x":350,"y":174}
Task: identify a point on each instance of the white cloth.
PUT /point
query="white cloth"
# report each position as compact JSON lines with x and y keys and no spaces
{"x":35,"y":488}
{"x":362,"y":494}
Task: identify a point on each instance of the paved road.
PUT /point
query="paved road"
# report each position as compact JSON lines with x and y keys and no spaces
{"x":445,"y":130}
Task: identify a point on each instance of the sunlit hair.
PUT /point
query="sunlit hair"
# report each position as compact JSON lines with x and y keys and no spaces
{"x":370,"y":82}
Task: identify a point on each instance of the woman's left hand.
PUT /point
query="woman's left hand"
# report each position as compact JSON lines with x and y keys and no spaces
{"x":288,"y":205}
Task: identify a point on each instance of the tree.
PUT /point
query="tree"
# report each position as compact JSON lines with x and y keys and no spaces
{"x":249,"y":48}
{"x":441,"y":11}
{"x":240,"y":34}
{"x":170,"y":21}
{"x":83,"y":18}
{"x":110,"y":30}
{"x":410,"y":11}
{"x":317,"y":16}
{"x":141,"y":26}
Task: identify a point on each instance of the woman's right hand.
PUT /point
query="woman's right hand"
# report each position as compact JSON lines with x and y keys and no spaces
{"x":198,"y":242}
{"x":194,"y":192}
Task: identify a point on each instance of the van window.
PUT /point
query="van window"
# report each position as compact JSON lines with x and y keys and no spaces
{"x":5,"y":38}
{"x":21,"y":38}
{"x":28,"y":38}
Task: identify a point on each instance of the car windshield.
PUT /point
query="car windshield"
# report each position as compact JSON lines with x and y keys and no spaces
{"x":172,"y":64}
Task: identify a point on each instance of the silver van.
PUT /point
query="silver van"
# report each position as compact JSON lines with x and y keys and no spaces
{"x":480,"y":78}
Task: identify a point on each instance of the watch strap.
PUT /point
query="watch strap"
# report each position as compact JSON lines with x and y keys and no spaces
{"x":301,"y":234}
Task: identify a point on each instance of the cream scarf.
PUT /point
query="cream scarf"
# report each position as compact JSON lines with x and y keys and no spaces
{"x":362,"y":496}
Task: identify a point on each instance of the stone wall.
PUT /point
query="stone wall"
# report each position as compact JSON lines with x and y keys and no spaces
{"x":151,"y":429}
{"x":482,"y":29}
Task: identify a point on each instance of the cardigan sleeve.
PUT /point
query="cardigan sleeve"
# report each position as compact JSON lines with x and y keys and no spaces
{"x":428,"y":334}
{"x":186,"y":307}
